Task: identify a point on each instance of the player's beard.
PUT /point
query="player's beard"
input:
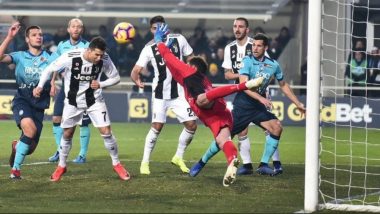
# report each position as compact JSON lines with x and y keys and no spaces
{"x":240,"y":36}
{"x":75,"y":37}
{"x":36,"y":46}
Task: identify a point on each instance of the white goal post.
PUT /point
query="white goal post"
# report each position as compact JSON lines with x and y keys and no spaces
{"x":342,"y":155}
{"x":312,"y":105}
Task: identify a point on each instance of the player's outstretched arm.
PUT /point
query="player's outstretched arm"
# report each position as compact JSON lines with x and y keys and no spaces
{"x":177,"y":68}
{"x":289,"y":93}
{"x":135,"y":76}
{"x":57,"y":65}
{"x":53,"y":89}
{"x":43,"y":79}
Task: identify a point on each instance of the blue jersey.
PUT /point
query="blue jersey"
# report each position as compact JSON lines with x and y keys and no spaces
{"x":253,"y":68}
{"x":65,"y":46}
{"x":28,"y":70}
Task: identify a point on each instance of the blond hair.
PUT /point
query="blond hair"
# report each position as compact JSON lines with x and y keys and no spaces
{"x":75,"y":20}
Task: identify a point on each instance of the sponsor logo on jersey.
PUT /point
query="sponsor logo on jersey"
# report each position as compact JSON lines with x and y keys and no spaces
{"x":82,"y":77}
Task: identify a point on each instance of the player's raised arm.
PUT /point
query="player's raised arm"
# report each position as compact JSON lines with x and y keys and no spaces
{"x":178,"y":68}
{"x":13,"y":30}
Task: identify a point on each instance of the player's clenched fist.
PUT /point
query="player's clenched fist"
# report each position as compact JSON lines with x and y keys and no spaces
{"x":37,"y":91}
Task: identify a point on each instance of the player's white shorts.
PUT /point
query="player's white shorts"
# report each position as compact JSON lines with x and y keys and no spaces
{"x":179,"y":106}
{"x":98,"y":113}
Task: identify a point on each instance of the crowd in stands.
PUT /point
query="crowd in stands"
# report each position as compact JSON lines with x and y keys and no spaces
{"x":363,"y":70}
{"x":125,"y":56}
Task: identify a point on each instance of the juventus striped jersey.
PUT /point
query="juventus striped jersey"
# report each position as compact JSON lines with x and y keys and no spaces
{"x":78,"y":75}
{"x":234,"y":54}
{"x":164,"y":86}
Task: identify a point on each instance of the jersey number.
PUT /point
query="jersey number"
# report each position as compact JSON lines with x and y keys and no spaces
{"x":104,"y":115}
{"x":191,"y":113}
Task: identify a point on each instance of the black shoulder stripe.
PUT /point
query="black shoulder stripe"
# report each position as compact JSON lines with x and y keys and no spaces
{"x":106,"y":57}
{"x":270,"y":59}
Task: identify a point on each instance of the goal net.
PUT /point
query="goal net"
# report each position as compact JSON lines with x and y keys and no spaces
{"x":349,"y":132}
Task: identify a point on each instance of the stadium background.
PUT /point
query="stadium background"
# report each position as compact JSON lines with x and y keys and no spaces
{"x":217,"y":16}
{"x":93,"y":188}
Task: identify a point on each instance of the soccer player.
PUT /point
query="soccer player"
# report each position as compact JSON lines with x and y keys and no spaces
{"x":28,"y":112}
{"x":75,"y":30}
{"x":252,"y":106}
{"x":207,"y":103}
{"x":83,"y":90}
{"x":234,"y":53}
{"x":166,"y":94}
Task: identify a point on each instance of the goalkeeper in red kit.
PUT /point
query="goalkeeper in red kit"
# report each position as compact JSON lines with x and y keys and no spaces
{"x":206,"y":102}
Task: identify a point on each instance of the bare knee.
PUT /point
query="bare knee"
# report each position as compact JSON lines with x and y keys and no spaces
{"x":191,"y":125}
{"x":105,"y":131}
{"x":157,"y":126}
{"x":243,"y":133}
{"x":28,"y":127}
{"x":276,"y":129}
{"x":68,"y":133}
{"x":223,"y":137}
{"x":57,"y":119}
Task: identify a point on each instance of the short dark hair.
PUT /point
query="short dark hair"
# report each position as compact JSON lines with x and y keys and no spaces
{"x":199,"y":63}
{"x":263,"y":37}
{"x":244,"y":20}
{"x":99,"y":43}
{"x":27,"y":31}
{"x":157,"y":19}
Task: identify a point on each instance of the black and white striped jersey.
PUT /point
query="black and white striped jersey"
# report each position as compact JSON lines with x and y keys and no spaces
{"x":234,"y":54}
{"x":78,"y":74}
{"x":163,"y":85}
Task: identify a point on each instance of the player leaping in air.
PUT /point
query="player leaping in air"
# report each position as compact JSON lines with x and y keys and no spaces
{"x":253,"y":107}
{"x":206,"y":102}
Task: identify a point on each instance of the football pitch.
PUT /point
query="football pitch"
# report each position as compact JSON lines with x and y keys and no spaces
{"x":94,"y":187}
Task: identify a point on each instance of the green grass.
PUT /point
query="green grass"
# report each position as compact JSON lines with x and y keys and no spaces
{"x":94,"y":188}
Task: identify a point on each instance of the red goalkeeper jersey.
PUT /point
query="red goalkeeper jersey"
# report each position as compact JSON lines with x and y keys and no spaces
{"x":216,"y":117}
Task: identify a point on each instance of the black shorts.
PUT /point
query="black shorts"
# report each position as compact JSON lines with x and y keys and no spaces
{"x":59,"y":102}
{"x":242,"y":117}
{"x":23,"y":109}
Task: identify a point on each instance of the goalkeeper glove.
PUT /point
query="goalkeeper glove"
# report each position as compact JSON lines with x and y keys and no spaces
{"x":161,"y":32}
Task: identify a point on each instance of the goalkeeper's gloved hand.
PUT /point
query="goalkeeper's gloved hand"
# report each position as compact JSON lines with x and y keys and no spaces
{"x":161,"y":32}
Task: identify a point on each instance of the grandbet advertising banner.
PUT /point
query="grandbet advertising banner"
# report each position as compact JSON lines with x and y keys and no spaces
{"x":137,"y":107}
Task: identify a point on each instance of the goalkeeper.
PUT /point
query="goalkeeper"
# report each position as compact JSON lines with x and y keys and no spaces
{"x":207,"y":103}
{"x":251,"y":106}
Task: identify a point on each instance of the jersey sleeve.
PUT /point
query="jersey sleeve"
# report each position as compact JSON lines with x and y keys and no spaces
{"x":53,"y":57}
{"x":57,"y":53}
{"x":111,"y":72}
{"x":145,"y":57}
{"x":58,"y":64}
{"x":278,"y":73}
{"x":186,"y":48}
{"x":178,"y":68}
{"x":227,"y":63}
{"x":110,"y":69}
{"x":15,"y":56}
{"x":246,"y":65}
